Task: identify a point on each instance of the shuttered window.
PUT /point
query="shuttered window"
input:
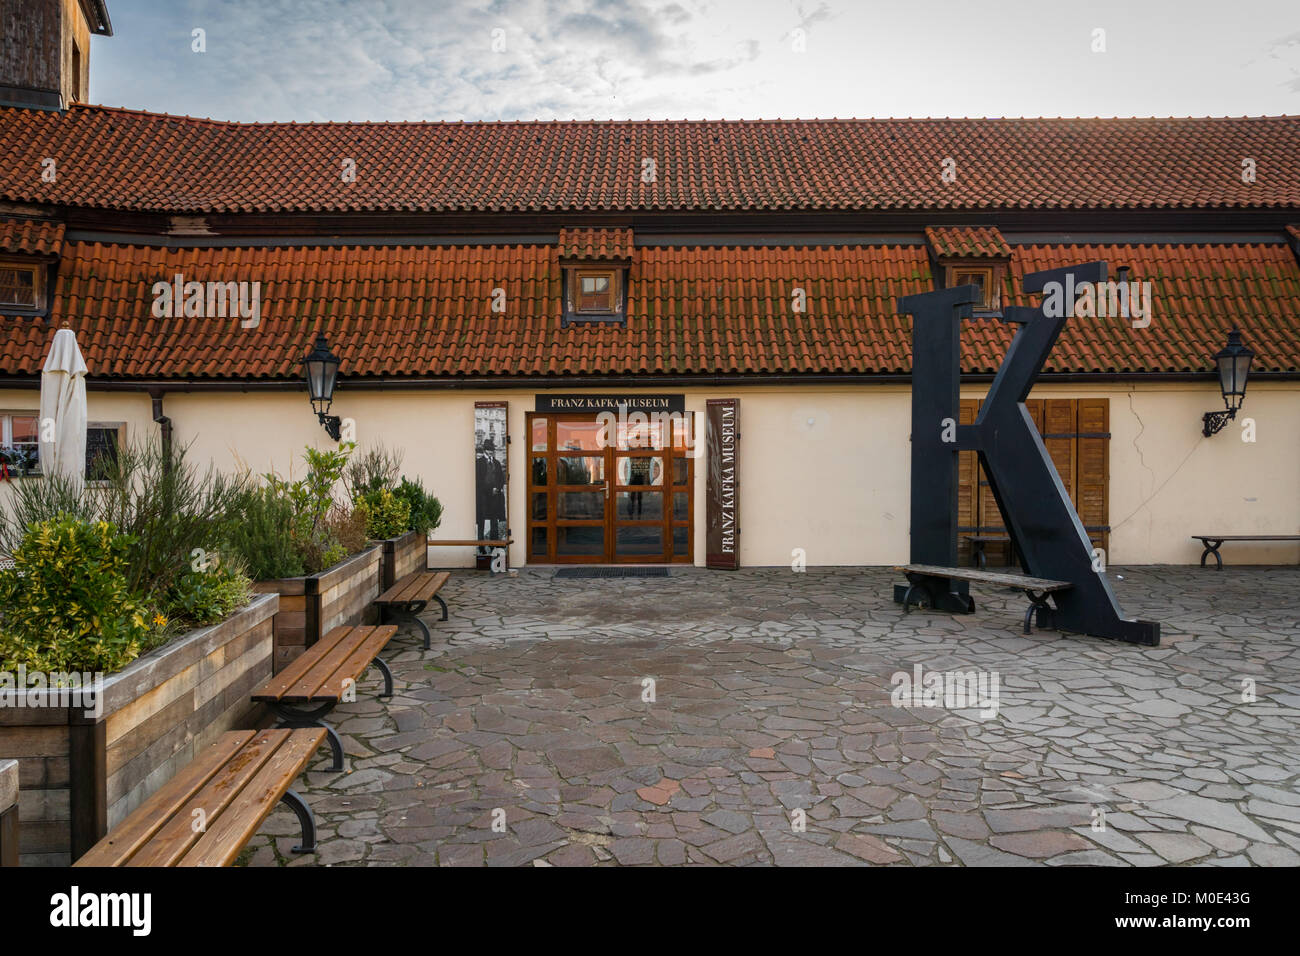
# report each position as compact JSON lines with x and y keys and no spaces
{"x":1076,"y":433}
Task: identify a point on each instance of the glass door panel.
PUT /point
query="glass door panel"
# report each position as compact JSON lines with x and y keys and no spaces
{"x":581,"y":506}
{"x":642,"y":541}
{"x":580,"y":540}
{"x":640,"y":470}
{"x":580,"y":470}
{"x":639,"y":506}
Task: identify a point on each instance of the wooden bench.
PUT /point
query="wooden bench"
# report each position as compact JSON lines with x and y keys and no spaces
{"x":1036,"y":589}
{"x":312,"y":685}
{"x":407,"y":599}
{"x":1212,"y":543}
{"x":978,"y":541}
{"x":207,"y":813}
{"x":502,"y":546}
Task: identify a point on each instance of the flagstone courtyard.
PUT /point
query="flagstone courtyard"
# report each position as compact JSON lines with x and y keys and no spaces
{"x":745,"y":718}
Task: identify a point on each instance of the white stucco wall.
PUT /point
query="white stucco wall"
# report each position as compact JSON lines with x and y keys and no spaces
{"x":825,"y":469}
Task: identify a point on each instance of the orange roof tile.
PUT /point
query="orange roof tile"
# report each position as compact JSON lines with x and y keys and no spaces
{"x":30,"y":236}
{"x":426,"y":311}
{"x":122,"y":159}
{"x":595,"y":243}
{"x":967,"y":242}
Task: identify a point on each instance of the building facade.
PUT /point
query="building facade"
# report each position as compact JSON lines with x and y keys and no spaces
{"x":503,"y":284}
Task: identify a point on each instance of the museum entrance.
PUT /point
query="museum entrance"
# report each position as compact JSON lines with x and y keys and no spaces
{"x":610,"y":493}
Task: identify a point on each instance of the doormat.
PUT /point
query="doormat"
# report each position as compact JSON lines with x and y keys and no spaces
{"x":612,"y":573}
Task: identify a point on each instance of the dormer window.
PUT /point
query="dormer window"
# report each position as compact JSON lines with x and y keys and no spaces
{"x":595,"y":292}
{"x":971,"y":255}
{"x":21,"y":286}
{"x":595,"y":262}
{"x":982,"y":276}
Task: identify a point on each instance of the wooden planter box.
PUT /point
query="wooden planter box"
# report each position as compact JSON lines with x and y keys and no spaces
{"x":403,"y":555}
{"x":313,"y":604}
{"x":8,"y":812}
{"x":79,"y":775}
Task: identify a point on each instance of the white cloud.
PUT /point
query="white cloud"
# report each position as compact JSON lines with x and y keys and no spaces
{"x":579,"y":59}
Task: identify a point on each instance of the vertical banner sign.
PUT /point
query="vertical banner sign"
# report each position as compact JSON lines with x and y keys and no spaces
{"x":722,"y":491}
{"x":491,"y":478}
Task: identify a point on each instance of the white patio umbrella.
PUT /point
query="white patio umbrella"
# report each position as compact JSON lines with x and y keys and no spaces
{"x":63,"y":402}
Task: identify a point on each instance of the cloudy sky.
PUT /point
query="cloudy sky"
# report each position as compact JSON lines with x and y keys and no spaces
{"x":674,"y":59}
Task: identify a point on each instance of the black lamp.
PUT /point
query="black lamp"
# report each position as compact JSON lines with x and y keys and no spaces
{"x":322,"y":369}
{"x":1233,"y":364}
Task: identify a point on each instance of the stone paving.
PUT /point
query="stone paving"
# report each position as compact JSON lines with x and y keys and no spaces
{"x":530,"y":733}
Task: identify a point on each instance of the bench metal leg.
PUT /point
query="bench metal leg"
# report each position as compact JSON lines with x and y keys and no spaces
{"x":411,"y":614}
{"x":292,"y":717}
{"x":907,"y":598}
{"x":388,"y":676}
{"x":1037,"y":602}
{"x":306,"y":820}
{"x":1212,"y":546}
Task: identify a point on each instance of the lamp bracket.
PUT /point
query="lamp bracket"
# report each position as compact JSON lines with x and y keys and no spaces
{"x":333,"y":425}
{"x":1214,"y":422}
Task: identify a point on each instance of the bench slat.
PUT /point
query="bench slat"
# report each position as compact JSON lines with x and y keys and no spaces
{"x":986,"y":577}
{"x":408,"y":589}
{"x":358,"y":661}
{"x":172,"y":841}
{"x":1246,"y":537}
{"x":147,"y":819}
{"x":221,"y":844}
{"x":469,"y":544}
{"x":324,"y":665}
{"x":420,"y":586}
{"x":273,"y":689}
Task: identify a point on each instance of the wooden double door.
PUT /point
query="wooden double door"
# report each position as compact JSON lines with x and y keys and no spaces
{"x":609,"y":494}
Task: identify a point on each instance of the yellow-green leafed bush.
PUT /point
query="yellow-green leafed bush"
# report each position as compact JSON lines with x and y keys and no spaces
{"x":386,"y":515}
{"x":66,"y":605}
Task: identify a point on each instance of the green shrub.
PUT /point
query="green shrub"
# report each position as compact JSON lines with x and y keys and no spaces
{"x":386,"y":515}
{"x":343,"y":533}
{"x":206,"y":595}
{"x":154,"y":495}
{"x":264,"y":539}
{"x":67,"y":604}
{"x":426,"y":510}
{"x":375,"y":469}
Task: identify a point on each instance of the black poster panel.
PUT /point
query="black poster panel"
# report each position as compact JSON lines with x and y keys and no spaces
{"x":722,"y":492}
{"x":491,"y":477}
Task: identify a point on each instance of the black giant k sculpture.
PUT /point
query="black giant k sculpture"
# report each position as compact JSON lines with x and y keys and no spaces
{"x":1040,"y":518}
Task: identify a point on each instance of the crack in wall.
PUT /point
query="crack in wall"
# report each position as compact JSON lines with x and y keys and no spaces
{"x":1141,"y":457}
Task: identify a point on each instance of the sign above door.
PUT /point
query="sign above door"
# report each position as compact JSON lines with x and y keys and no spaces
{"x":595,"y":404}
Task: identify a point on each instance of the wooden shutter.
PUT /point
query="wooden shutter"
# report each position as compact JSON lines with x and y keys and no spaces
{"x":1076,"y":434}
{"x":1058,"y":431}
{"x":1092,"y":476}
{"x":967,"y":485}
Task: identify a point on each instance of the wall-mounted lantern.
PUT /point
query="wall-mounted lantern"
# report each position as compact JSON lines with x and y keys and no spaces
{"x":1233,"y":364}
{"x":322,"y":370}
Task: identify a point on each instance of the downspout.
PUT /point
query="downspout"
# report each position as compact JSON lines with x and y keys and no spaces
{"x":157,"y":395}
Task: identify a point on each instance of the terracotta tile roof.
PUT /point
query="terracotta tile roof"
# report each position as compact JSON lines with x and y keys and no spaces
{"x":967,"y":242}
{"x":133,"y":160}
{"x":595,"y":243}
{"x":1294,"y":232}
{"x":38,"y":237}
{"x":400,"y":310}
